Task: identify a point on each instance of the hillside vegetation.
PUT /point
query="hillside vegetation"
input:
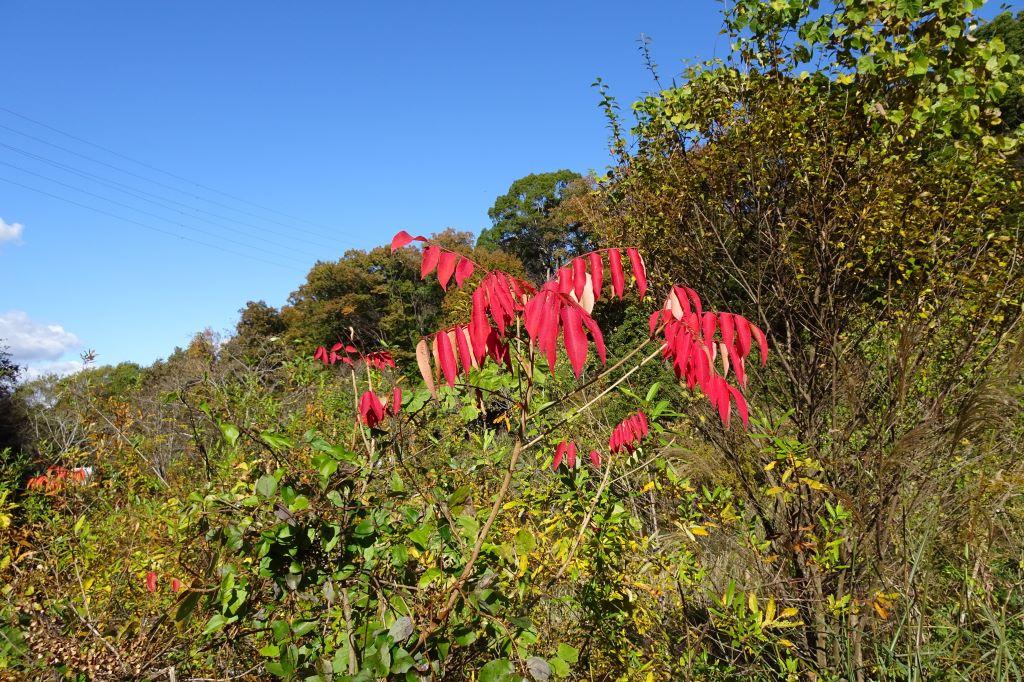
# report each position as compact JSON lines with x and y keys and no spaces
{"x":747,"y":406}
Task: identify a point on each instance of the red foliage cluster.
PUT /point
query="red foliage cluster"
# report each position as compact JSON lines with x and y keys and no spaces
{"x":625,"y":436}
{"x":566,"y":451}
{"x":457,"y":346}
{"x":693,"y":338}
{"x":372,"y":410}
{"x":56,"y":477}
{"x":628,"y":433}
{"x":151,"y":583}
{"x":561,"y":308}
{"x":379,"y":359}
{"x":691,"y":345}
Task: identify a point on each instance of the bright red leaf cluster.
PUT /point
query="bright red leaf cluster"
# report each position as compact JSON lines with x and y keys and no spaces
{"x":566,"y":451}
{"x":693,"y":338}
{"x":56,"y":477}
{"x":151,"y":583}
{"x":458,"y":346}
{"x":628,"y":433}
{"x":378,"y":359}
{"x":560,"y":309}
{"x":435,"y":258}
{"x":692,"y":346}
{"x":372,"y":410}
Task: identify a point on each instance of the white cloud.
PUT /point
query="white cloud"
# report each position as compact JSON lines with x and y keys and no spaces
{"x":28,"y":340}
{"x":61,"y":368}
{"x":10,"y":232}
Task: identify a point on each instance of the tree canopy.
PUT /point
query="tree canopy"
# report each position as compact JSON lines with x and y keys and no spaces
{"x":526,"y":223}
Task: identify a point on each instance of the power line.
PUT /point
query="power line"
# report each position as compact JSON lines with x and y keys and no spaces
{"x":160,"y":170}
{"x":136,"y":192}
{"x":162,"y":205}
{"x":156,"y":182}
{"x":143,"y":211}
{"x":144,"y":225}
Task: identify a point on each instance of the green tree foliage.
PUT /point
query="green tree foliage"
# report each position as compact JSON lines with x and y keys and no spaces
{"x":845,"y":178}
{"x":1009,"y":29}
{"x":527,"y":224}
{"x":11,"y":412}
{"x":380,"y":298}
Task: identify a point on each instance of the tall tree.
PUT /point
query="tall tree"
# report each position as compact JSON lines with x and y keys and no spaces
{"x":526,"y":223}
{"x":380,"y":297}
{"x":1010,"y":30}
{"x":11,"y":412}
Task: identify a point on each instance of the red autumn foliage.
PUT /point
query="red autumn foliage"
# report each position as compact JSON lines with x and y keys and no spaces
{"x":561,"y":308}
{"x":692,"y":346}
{"x":567,"y":452}
{"x":379,"y":359}
{"x":628,"y":434}
{"x":57,"y":477}
{"x":371,"y":410}
{"x":151,"y":581}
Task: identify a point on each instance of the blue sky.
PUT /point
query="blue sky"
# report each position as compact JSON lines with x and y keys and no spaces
{"x":337,"y":124}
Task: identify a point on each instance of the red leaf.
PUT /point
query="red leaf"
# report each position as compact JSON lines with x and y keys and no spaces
{"x":743,"y":335}
{"x":396,"y":401}
{"x":708,"y":324}
{"x":320,"y":354}
{"x":371,"y":411}
{"x":639,"y":271}
{"x":574,"y":338}
{"x":403,"y":238}
{"x":595,"y":333}
{"x":175,"y":584}
{"x":463,"y":271}
{"x":741,"y":405}
{"x":596,"y":272}
{"x":465,"y":356}
{"x":446,"y":358}
{"x":762,"y":344}
{"x":570,"y":455}
{"x":618,"y":277}
{"x":579,"y":276}
{"x":595,"y":458}
{"x":446,"y":267}
{"x":151,"y":581}
{"x":559,"y":454}
{"x":547,"y":334}
{"x":431,"y":254}
{"x":565,"y":280}
{"x":479,"y":328}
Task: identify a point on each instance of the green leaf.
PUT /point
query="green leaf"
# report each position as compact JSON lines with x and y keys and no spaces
{"x":429,"y":576}
{"x":217,"y":621}
{"x":401,"y":661}
{"x":303,"y":627}
{"x":276,"y":441}
{"x":568,"y":653}
{"x":230,"y":433}
{"x":459,"y":496}
{"x":560,"y":667}
{"x":525,"y":542}
{"x":266,"y":486}
{"x":186,"y":607}
{"x":495,"y":671}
